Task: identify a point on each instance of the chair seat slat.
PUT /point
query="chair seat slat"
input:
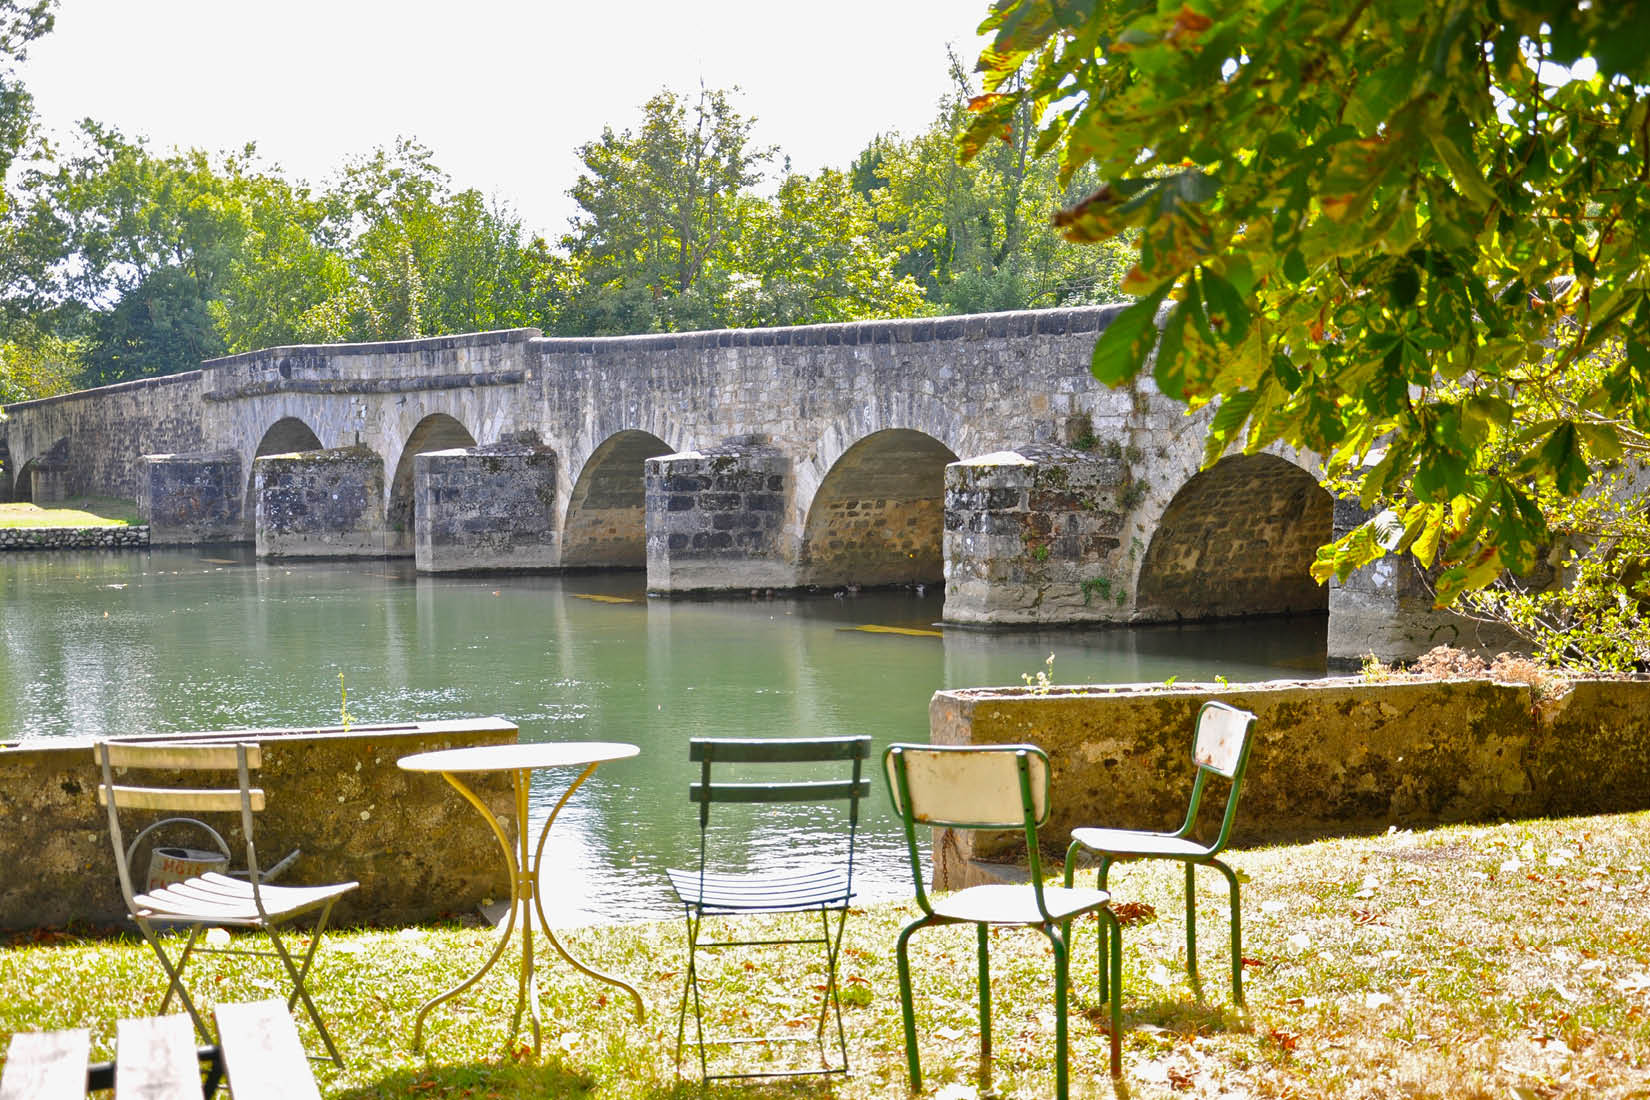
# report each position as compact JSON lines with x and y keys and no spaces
{"x":785,"y":750}
{"x":46,"y":1065}
{"x":197,"y":800}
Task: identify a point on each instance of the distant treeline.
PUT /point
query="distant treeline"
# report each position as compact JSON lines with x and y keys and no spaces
{"x":119,"y":261}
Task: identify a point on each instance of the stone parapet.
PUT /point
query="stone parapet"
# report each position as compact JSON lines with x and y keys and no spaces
{"x":417,"y":849}
{"x":1329,"y":757}
{"x":74,"y":538}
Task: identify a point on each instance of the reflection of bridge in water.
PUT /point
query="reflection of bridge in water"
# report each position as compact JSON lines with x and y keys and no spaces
{"x":976,"y":452}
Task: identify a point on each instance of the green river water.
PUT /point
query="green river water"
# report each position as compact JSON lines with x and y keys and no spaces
{"x":108,"y":643}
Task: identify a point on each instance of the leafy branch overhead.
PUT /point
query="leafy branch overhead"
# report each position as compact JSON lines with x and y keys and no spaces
{"x":1409,"y":236}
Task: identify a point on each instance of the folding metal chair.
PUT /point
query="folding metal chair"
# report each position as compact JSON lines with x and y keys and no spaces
{"x":210,"y":900}
{"x":1220,"y":747}
{"x":994,"y":787}
{"x":824,"y":882}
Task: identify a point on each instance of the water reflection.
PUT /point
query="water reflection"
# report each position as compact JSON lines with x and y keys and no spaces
{"x":102,"y":644}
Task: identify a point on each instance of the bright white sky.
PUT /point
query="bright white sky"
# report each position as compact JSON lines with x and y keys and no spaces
{"x":502,"y":91}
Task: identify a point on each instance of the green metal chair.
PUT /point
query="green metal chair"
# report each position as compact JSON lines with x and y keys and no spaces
{"x":1220,"y":747}
{"x":994,"y":787}
{"x":823,"y":884}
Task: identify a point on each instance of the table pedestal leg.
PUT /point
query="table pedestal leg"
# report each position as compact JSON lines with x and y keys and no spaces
{"x":523,"y":874}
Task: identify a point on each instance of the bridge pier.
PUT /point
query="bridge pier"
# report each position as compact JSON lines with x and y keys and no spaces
{"x":1034,"y":536}
{"x":191,"y":498}
{"x":319,"y":504}
{"x":715,"y":518}
{"x":490,"y":507}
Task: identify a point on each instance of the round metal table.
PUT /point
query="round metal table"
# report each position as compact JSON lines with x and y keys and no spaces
{"x":520,"y":761}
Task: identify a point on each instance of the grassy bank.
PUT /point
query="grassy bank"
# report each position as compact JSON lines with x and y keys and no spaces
{"x":1504,"y":961}
{"x":73,"y":512}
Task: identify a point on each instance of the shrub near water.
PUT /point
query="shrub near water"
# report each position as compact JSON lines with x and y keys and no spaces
{"x":1508,"y":961}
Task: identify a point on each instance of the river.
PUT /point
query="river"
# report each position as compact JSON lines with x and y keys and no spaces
{"x":95,"y":644}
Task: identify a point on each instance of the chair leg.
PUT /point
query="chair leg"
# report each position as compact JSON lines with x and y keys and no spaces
{"x":1061,"y":1086}
{"x":174,"y":974}
{"x":833,"y":954}
{"x":1237,"y":930}
{"x":303,"y":994}
{"x":1191,"y":923}
{"x":1114,"y":961}
{"x":690,"y":986}
{"x":912,"y":1061}
{"x":1100,"y":884}
{"x":984,"y":937}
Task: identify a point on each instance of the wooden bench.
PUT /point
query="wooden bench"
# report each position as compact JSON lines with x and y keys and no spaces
{"x":156,"y":1059}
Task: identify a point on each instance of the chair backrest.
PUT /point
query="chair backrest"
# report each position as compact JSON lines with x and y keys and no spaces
{"x":970,"y":787}
{"x":853,"y":785}
{"x":230,"y":796}
{"x":1220,"y":746}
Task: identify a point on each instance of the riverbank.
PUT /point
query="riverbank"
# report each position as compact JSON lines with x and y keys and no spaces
{"x":1504,"y":960}
{"x":73,"y":512}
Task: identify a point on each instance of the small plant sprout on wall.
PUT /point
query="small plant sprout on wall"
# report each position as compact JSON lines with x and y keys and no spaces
{"x":1043,"y":680}
{"x":344,"y":716}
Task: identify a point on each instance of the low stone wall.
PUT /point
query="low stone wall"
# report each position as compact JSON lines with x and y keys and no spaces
{"x":1329,"y":756}
{"x":74,"y":538}
{"x":415,"y":846}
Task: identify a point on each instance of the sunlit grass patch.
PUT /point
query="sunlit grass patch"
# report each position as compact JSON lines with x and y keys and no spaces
{"x":1509,"y":961}
{"x":73,"y":512}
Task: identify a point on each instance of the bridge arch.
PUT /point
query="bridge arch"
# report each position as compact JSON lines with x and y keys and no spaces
{"x":436,"y":432}
{"x":285,"y":436}
{"x":6,"y":471}
{"x":606,"y":509}
{"x":1238,"y":539}
{"x":23,"y":488}
{"x":878,"y":516}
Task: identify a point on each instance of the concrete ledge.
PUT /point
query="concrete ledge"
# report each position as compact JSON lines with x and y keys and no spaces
{"x":1330,"y":756}
{"x":417,"y":848}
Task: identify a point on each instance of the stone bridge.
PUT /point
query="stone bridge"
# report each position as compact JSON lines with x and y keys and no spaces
{"x":974,"y":451}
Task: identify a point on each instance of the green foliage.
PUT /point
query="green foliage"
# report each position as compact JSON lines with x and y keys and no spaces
{"x":1384,"y":233}
{"x":20,"y":24}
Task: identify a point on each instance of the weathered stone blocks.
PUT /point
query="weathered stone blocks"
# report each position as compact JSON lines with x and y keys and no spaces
{"x":715,"y":518}
{"x":319,"y":504}
{"x":417,"y":849}
{"x":491,"y":507}
{"x":1033,"y":535}
{"x":192,"y":498}
{"x":1329,"y":756}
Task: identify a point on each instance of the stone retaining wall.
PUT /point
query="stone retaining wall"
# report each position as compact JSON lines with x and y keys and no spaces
{"x":74,"y":538}
{"x":417,"y":848}
{"x":1329,"y":756}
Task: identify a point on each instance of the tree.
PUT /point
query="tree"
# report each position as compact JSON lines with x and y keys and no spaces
{"x":659,"y":210}
{"x":977,"y":235}
{"x":20,"y":24}
{"x":1394,"y":234}
{"x":814,"y":255}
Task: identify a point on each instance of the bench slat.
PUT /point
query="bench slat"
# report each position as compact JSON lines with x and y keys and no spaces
{"x":46,"y":1065}
{"x":155,"y":1059}
{"x":262,"y":1054}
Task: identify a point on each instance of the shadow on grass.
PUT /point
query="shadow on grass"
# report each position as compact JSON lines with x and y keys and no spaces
{"x":553,"y":1078}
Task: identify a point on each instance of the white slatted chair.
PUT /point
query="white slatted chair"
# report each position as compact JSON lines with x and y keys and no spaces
{"x":210,"y":900}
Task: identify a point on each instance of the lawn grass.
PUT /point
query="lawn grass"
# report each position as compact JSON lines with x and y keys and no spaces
{"x":1508,"y":961}
{"x":73,"y":512}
